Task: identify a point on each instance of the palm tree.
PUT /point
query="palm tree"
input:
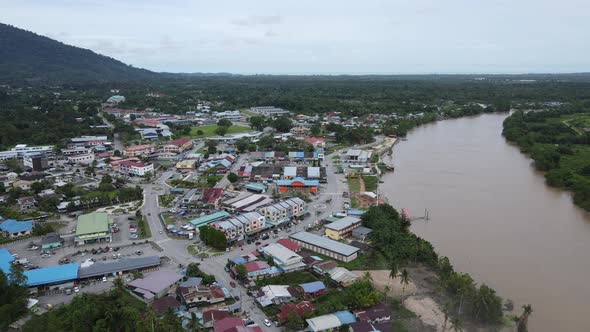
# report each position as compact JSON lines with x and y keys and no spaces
{"x":523,"y":321}
{"x":386,"y":290}
{"x":194,"y":325}
{"x":118,"y":284}
{"x":457,"y":324}
{"x":393,"y":270}
{"x":404,"y":280}
{"x":367,"y":276}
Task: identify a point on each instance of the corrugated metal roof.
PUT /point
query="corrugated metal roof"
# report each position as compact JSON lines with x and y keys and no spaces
{"x":52,"y":274}
{"x":325,"y":243}
{"x":127,"y":264}
{"x":343,"y":223}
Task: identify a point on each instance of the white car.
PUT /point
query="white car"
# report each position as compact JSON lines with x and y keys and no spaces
{"x":104,"y":279}
{"x":267,"y":322}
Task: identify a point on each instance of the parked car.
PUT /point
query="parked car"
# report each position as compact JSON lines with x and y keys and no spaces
{"x":267,"y":322}
{"x":104,"y":279}
{"x":233,"y":284}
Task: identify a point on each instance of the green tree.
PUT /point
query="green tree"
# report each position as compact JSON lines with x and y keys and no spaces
{"x":224,"y":123}
{"x":257,"y":122}
{"x":241,"y":272}
{"x":282,"y":124}
{"x":221,"y":130}
{"x":200,"y":132}
{"x":232,"y":177}
{"x":315,"y":130}
{"x":523,"y":321}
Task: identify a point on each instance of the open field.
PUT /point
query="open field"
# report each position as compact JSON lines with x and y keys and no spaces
{"x":209,"y":130}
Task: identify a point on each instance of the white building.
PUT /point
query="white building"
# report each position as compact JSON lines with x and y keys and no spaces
{"x":23,"y":150}
{"x":269,"y":110}
{"x":81,"y":159}
{"x":286,"y":259}
{"x":75,"y":151}
{"x":230,"y":115}
{"x":240,"y":225}
{"x":283,"y":211}
{"x":133,"y":168}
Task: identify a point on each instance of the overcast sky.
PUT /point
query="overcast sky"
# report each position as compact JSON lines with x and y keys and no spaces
{"x":321,"y":36}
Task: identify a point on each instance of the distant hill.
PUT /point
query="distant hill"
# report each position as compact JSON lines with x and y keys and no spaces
{"x":28,"y":57}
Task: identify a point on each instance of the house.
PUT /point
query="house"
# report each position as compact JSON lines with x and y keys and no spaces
{"x":274,"y":294}
{"x":186,"y":165}
{"x":133,"y":168}
{"x":315,"y":288}
{"x":149,"y":134}
{"x":26,"y":203}
{"x":284,"y":259}
{"x":298,"y":184}
{"x":93,"y":228}
{"x":370,"y":327}
{"x":162,"y":305}
{"x":257,"y":268}
{"x":316,"y":142}
{"x":367,"y":199}
{"x":300,"y":131}
{"x":210,"y":317}
{"x":342,"y":276}
{"x":178,"y":145}
{"x":82,"y":159}
{"x":303,"y":308}
{"x":359,"y":155}
{"x":155,"y":284}
{"x":143,"y":150}
{"x":22,"y":184}
{"x":12,"y":229}
{"x":330,"y":322}
{"x":211,"y":197}
{"x":342,"y":228}
{"x":234,"y":324}
{"x":200,"y":295}
{"x":324,"y":267}
{"x":379,"y":313}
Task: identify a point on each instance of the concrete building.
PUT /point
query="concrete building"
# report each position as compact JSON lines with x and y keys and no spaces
{"x":93,"y":228}
{"x":325,"y":246}
{"x":178,"y":145}
{"x":283,"y":211}
{"x":207,"y":219}
{"x":37,"y":163}
{"x":359,"y":155}
{"x":269,"y":111}
{"x":284,"y":259}
{"x":342,"y":228}
{"x":133,"y":168}
{"x":298,"y":184}
{"x":143,"y":150}
{"x":85,"y":159}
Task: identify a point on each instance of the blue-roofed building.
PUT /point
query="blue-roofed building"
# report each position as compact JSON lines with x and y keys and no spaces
{"x":346,"y":317}
{"x":355,"y":212}
{"x":315,"y":288}
{"x":5,"y":260}
{"x":52,"y":275}
{"x":13,"y":229}
{"x":257,"y":188}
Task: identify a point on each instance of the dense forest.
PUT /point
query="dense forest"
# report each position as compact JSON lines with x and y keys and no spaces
{"x":26,"y":57}
{"x":559,"y":143}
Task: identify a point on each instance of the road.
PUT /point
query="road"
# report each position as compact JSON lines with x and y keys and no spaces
{"x":116,"y":141}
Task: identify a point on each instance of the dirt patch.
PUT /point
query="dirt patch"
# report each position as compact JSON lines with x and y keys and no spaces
{"x":428,"y":311}
{"x":381,"y":279}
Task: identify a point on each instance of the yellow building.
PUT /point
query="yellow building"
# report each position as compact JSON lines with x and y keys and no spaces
{"x":342,"y":228}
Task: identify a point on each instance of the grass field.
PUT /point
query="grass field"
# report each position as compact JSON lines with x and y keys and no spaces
{"x":209,"y":131}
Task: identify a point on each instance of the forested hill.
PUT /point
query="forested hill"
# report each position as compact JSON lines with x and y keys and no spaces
{"x":28,"y":57}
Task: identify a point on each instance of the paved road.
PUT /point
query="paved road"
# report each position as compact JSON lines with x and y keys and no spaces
{"x":116,"y":141}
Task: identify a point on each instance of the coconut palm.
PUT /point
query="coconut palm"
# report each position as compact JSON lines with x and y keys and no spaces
{"x":457,"y":324}
{"x":404,"y":280}
{"x":393,"y":270}
{"x":367,"y":276}
{"x":386,"y":290}
{"x":524,"y":318}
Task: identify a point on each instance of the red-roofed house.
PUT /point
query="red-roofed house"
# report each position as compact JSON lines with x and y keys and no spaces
{"x":178,"y":145}
{"x":378,"y":313}
{"x":116,"y":161}
{"x":257,"y":268}
{"x":291,"y":245}
{"x":226,"y":324}
{"x":317,"y":142}
{"x":212,"y":197}
{"x":212,"y":316}
{"x":134,"y":168}
{"x":300,"y":309}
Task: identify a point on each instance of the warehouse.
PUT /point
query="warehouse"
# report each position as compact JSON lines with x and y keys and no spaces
{"x":325,"y":246}
{"x":342,"y":228}
{"x":119,"y":266}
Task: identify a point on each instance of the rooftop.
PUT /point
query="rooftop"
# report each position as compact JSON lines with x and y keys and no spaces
{"x":52,"y":274}
{"x":343,"y":223}
{"x":13,"y":226}
{"x":126,"y":264}
{"x":325,"y":243}
{"x":156,"y":281}
{"x":96,"y":222}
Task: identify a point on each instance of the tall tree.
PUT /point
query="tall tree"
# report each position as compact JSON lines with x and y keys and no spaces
{"x":405,"y":281}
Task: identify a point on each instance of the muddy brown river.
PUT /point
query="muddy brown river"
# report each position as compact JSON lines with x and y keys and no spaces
{"x":494,"y":217}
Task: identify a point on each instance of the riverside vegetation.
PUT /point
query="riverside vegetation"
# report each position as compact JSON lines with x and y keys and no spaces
{"x":559,"y":143}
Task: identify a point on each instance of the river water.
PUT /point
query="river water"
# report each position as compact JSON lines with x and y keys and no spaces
{"x":494,"y":217}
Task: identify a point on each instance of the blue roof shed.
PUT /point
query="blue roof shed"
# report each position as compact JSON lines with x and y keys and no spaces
{"x":345,"y":317}
{"x":12,"y":226}
{"x":313,"y":287}
{"x":52,"y":274}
